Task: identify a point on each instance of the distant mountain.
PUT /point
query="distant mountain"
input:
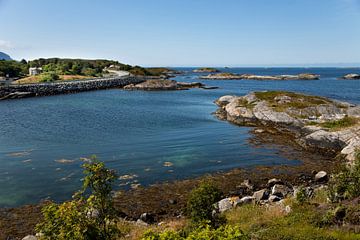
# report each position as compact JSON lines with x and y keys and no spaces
{"x":4,"y":56}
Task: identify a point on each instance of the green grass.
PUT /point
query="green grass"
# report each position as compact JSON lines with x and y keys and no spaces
{"x":339,"y":124}
{"x":298,"y":101}
{"x":273,"y":223}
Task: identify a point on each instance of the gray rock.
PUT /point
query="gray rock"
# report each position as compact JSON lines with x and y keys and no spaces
{"x":30,"y":237}
{"x":224,"y":100}
{"x":274,"y":181}
{"x":225,"y":205}
{"x":140,"y":222}
{"x":147,"y":217}
{"x":321,"y":176}
{"x":245,"y":200}
{"x":261,"y":195}
{"x":280,"y":190}
{"x":247,"y":183}
{"x":274,"y":198}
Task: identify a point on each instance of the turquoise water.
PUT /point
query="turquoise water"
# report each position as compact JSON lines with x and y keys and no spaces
{"x":150,"y":136}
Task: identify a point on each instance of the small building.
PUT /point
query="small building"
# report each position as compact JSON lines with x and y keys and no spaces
{"x":35,"y":71}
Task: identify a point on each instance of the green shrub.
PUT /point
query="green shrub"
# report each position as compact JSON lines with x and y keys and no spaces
{"x":346,"y":184}
{"x":301,"y":196}
{"x":90,"y":215}
{"x":201,"y":202}
{"x":49,"y":77}
{"x":206,"y":232}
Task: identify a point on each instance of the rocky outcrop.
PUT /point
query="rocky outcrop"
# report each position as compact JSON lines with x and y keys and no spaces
{"x":231,"y":76}
{"x":160,"y":84}
{"x":316,"y":123}
{"x":352,"y":76}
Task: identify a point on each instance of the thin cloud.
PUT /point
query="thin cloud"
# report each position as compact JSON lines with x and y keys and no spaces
{"x":6,"y":44}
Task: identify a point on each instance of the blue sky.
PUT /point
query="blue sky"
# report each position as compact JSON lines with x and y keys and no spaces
{"x":184,"y":32}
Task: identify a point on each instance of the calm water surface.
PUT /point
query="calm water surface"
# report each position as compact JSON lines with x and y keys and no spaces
{"x":151,"y":136}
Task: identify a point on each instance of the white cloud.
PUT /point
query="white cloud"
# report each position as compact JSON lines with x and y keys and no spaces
{"x":6,"y":45}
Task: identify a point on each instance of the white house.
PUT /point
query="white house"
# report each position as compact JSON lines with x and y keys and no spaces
{"x":34,"y":71}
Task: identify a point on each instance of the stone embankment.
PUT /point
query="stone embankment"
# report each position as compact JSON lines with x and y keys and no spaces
{"x":46,"y":89}
{"x":316,"y":123}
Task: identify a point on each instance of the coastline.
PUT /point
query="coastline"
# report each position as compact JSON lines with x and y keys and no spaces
{"x":167,"y":200}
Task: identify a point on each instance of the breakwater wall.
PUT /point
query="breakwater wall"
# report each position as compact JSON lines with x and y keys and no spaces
{"x":47,"y":89}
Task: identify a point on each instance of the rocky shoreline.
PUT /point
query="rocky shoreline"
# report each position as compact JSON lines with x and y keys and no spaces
{"x":315,"y":123}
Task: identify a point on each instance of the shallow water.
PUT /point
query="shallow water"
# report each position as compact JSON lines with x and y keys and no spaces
{"x":150,"y":136}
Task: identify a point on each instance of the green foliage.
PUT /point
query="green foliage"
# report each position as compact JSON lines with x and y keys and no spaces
{"x":206,"y":232}
{"x":201,"y":202}
{"x":342,"y":123}
{"x":346,"y":183}
{"x":301,"y":196}
{"x":13,"y":68}
{"x":49,"y":77}
{"x":90,"y":215}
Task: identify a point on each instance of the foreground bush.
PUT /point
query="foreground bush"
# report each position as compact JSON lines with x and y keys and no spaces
{"x":90,"y":215}
{"x":346,"y":183}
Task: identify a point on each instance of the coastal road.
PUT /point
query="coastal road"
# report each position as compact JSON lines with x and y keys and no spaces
{"x":119,"y":73}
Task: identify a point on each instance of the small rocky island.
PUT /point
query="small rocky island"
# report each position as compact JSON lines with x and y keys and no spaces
{"x":206,"y":70}
{"x":232,"y":76}
{"x":315,"y":123}
{"x":164,"y":84}
{"x":351,"y":76}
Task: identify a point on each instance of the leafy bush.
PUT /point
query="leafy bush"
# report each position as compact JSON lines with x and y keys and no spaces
{"x":346,"y":184}
{"x":201,"y":202}
{"x":49,"y":77}
{"x":90,"y":215}
{"x":301,"y":196}
{"x":227,"y":232}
